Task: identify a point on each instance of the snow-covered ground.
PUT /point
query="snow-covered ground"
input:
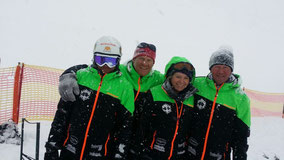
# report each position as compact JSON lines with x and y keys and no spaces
{"x":266,"y":140}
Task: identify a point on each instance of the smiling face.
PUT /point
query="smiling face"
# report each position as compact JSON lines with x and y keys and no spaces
{"x":179,"y":81}
{"x":143,"y":65}
{"x":220,"y":73}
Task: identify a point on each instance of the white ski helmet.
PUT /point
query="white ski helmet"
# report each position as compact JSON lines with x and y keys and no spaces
{"x":108,"y":45}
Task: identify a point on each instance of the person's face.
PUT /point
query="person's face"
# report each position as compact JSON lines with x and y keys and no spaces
{"x":179,"y":81}
{"x":106,"y":69}
{"x":220,"y":73}
{"x":143,"y":65}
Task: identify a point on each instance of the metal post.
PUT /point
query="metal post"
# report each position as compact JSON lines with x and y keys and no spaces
{"x":283,"y":111}
{"x":22,"y":138}
{"x":22,"y":155}
{"x":37,"y":140}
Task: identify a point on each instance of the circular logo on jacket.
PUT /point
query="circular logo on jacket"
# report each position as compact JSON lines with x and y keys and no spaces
{"x":73,"y":140}
{"x":167,"y":108}
{"x":85,"y":94}
{"x":201,"y":104}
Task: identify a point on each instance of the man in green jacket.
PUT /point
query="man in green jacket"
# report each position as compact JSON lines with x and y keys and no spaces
{"x":221,"y":120}
{"x":101,"y":112}
{"x":137,"y":71}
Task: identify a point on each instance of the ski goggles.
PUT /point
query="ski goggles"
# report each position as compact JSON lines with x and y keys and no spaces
{"x":110,"y":61}
{"x":183,"y":65}
{"x":146,"y":45}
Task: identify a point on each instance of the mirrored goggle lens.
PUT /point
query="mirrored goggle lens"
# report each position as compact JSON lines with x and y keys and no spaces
{"x":180,"y":66}
{"x":146,"y":45}
{"x":110,"y":61}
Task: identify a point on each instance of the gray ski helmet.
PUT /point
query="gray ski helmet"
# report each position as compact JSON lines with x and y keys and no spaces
{"x":222,"y":56}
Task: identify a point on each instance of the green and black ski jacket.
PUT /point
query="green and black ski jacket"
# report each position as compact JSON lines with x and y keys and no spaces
{"x":103,"y":111}
{"x":141,"y":86}
{"x":221,"y":121}
{"x":165,"y":123}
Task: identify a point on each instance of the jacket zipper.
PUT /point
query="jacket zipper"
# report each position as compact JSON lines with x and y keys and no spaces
{"x":154,"y":137}
{"x":67,"y":135}
{"x":210,"y":121}
{"x":176,"y":130}
{"x":139,"y":87}
{"x":91,"y":117}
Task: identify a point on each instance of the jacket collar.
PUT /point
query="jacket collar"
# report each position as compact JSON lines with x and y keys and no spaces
{"x":181,"y":96}
{"x":107,"y":76}
{"x":234,"y":81}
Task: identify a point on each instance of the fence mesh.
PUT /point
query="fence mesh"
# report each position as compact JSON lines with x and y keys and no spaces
{"x":39,"y":95}
{"x":266,"y":104}
{"x":6,"y":93}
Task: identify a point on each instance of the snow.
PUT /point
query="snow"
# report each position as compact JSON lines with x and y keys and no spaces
{"x":266,"y":140}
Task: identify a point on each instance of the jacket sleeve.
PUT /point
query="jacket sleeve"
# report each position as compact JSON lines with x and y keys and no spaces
{"x":59,"y":127}
{"x":146,"y":127}
{"x":123,"y":127}
{"x":122,"y":134}
{"x":75,"y":68}
{"x":241,"y":131}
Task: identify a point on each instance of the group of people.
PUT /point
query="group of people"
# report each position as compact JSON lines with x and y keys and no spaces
{"x":109,"y":110}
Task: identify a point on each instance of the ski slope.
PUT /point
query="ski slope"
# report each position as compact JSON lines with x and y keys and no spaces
{"x":266,"y":140}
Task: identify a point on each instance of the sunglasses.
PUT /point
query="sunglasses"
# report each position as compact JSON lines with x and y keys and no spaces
{"x":182,"y":65}
{"x":146,"y":45}
{"x":110,"y":61}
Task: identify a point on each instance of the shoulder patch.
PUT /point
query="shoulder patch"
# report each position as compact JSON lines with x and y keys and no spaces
{"x":166,"y":108}
{"x":201,"y":103}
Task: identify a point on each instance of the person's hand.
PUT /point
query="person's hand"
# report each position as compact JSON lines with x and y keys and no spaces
{"x":68,"y":87}
{"x":51,"y":153}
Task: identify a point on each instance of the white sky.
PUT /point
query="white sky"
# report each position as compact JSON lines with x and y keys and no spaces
{"x":61,"y":33}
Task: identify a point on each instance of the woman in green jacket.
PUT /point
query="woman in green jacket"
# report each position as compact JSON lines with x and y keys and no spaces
{"x":165,"y":120}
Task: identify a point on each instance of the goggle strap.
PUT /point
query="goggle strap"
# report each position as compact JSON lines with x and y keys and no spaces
{"x":106,"y":55}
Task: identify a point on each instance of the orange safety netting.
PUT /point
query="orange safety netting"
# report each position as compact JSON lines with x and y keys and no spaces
{"x":39,"y":92}
{"x":266,"y":104}
{"x":38,"y":95}
{"x":6,"y":93}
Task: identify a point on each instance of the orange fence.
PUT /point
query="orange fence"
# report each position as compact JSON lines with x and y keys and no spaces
{"x":28,"y":91}
{"x":6,"y":93}
{"x":266,"y":104}
{"x":31,"y":92}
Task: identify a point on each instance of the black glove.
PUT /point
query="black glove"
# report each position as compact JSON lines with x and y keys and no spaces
{"x":133,"y":154}
{"x":68,"y":87}
{"x":51,"y":152}
{"x":146,"y":157}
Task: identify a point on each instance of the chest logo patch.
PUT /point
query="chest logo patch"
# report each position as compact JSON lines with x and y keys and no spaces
{"x":167,"y":108}
{"x":85,"y":94}
{"x":201,"y":104}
